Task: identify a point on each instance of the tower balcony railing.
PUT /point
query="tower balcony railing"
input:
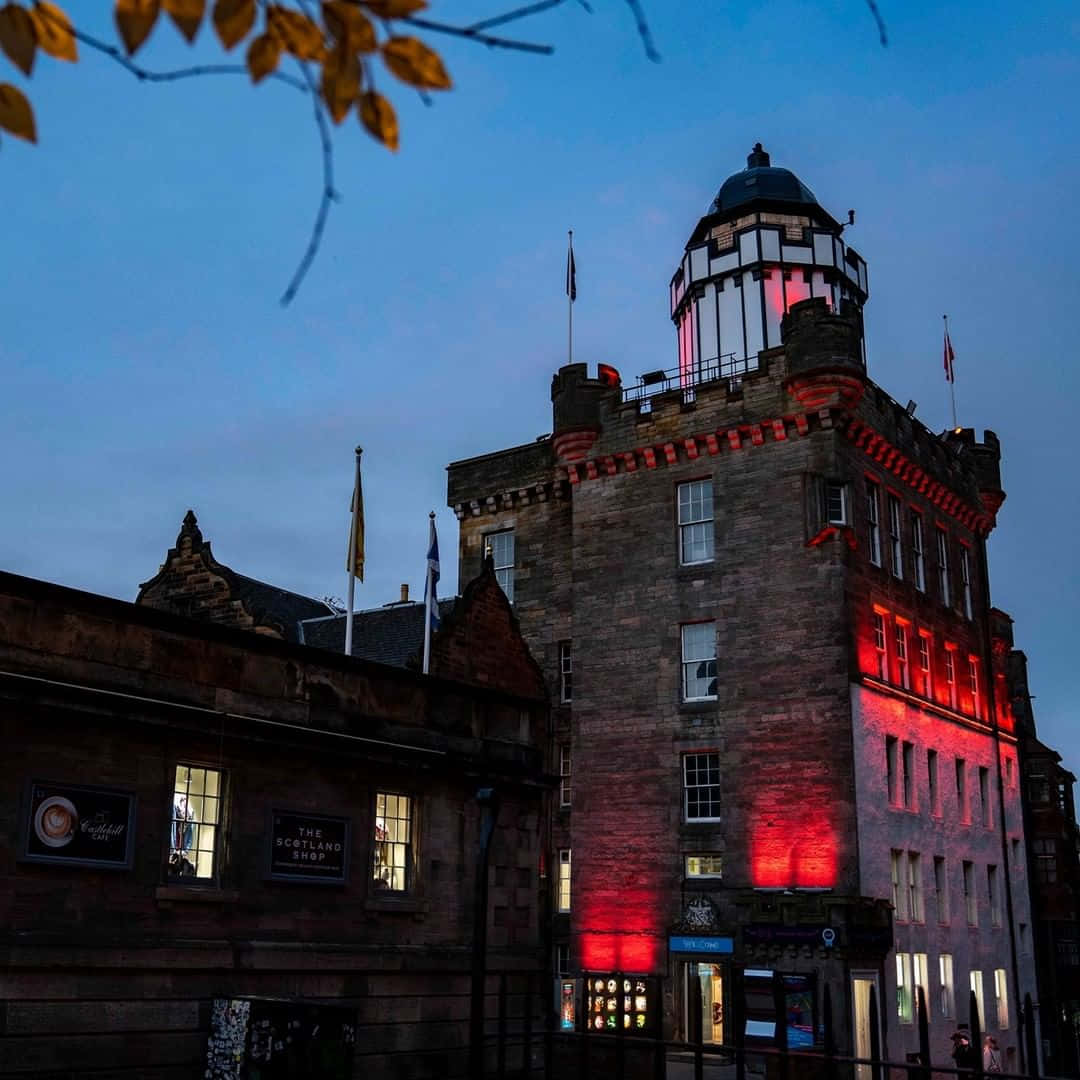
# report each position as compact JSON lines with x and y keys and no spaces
{"x":725,"y":367}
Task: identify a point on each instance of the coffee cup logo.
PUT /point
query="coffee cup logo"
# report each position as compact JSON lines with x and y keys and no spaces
{"x":55,"y":821}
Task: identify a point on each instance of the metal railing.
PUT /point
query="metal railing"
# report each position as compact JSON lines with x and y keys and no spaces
{"x":708,"y":371}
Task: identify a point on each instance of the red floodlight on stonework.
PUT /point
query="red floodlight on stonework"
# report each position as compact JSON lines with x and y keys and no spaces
{"x":607,"y":374}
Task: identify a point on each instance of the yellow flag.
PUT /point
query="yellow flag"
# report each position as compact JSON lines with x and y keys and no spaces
{"x":357,"y":523}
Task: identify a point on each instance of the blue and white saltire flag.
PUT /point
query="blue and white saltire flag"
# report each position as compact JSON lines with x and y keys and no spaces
{"x":430,"y":596}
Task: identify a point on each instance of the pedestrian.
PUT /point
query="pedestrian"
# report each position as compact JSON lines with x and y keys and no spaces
{"x":963,"y":1053}
{"x":991,"y":1055}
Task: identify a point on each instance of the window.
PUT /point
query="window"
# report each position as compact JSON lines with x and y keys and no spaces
{"x":903,"y":668}
{"x":973,"y":683}
{"x":704,"y":865}
{"x":922,"y":979}
{"x":994,"y":894}
{"x":965,"y":579}
{"x":962,"y":806}
{"x":941,"y":890}
{"x":926,"y":670}
{"x":932,"y":778}
{"x":195,"y":822}
{"x":1045,"y":851}
{"x":899,"y":894}
{"x":915,"y":888}
{"x":950,"y":673}
{"x":977,"y":987}
{"x":892,"y":769}
{"x":502,"y":554}
{"x":905,"y":1010}
{"x":563,"y":884}
{"x":564,"y":776}
{"x":944,"y":588}
{"x":392,"y":864}
{"x":984,"y":797}
{"x":695,"y":522}
{"x":566,"y":672}
{"x":836,"y":503}
{"x":562,"y":959}
{"x":873,"y":526}
{"x":918,"y":554}
{"x":879,"y":646}
{"x":896,"y":543}
{"x":1010,"y":776}
{"x":908,"y":760}
{"x":946,"y":1003}
{"x":699,"y":661}
{"x":701,"y":786}
{"x":971,"y":904}
{"x":1024,"y":942}
{"x":1038,"y":788}
{"x":1017,"y":866}
{"x":1001,"y":997}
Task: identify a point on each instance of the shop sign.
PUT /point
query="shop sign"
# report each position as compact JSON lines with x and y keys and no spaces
{"x":78,"y":826}
{"x":308,"y":847}
{"x":778,"y":934}
{"x":701,"y":944}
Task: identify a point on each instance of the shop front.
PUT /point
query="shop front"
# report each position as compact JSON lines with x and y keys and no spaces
{"x":703,"y":972}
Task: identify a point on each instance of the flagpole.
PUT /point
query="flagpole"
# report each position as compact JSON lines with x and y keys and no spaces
{"x":570,"y":300}
{"x":352,"y":555}
{"x":429,"y":589}
{"x":952,"y":373}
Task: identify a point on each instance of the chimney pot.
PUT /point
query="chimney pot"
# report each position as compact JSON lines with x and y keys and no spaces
{"x":404,"y":593}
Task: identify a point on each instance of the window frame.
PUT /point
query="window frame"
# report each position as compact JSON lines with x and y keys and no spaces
{"x":963,"y":796}
{"x":838,"y":488}
{"x":950,"y":674}
{"x":714,"y":800}
{"x":947,"y":1002}
{"x":881,"y":646}
{"x":566,"y":672}
{"x":971,"y":900}
{"x":973,"y":687}
{"x":993,"y":894}
{"x":686,"y":663}
{"x":916,"y":907}
{"x":918,"y":550}
{"x":926,"y":662}
{"x":941,"y":890}
{"x":905,"y":991}
{"x":903,"y":662}
{"x":565,"y":765}
{"x":196,"y":824}
{"x":975,"y":980}
{"x":985,"y":804}
{"x":873,"y":521}
{"x":965,"y":581}
{"x":504,"y":572}
{"x":562,"y":882}
{"x":897,"y":862}
{"x":694,"y":522}
{"x":933,"y":782}
{"x":944,"y":581}
{"x":408,"y":866}
{"x":1001,"y":998}
{"x":896,"y":535}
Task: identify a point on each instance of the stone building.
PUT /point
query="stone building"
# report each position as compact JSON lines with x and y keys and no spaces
{"x":758,"y":588}
{"x":222,"y":843}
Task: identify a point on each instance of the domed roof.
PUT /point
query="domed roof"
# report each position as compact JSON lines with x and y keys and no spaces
{"x":761,"y":181}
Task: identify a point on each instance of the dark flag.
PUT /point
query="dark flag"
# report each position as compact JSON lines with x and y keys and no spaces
{"x":571,"y":274}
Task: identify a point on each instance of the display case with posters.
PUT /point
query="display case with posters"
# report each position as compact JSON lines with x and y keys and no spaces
{"x":780,"y":1008}
{"x":614,"y":999}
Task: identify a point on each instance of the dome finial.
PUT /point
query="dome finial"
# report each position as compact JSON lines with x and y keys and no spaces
{"x":757,"y":158}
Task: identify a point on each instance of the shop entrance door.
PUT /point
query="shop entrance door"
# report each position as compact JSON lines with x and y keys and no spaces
{"x":861,"y":983}
{"x":711,"y":981}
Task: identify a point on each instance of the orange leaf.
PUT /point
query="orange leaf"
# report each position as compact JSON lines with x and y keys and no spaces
{"x":340,"y":83}
{"x":394,"y":9}
{"x":262,"y":56}
{"x":296,"y":31}
{"x":378,"y":116}
{"x":233,"y":20}
{"x":16,"y":115}
{"x":414,"y":63}
{"x":349,"y":26}
{"x":187,"y":14}
{"x":53,"y":30}
{"x":135,"y":19}
{"x":17,"y":37}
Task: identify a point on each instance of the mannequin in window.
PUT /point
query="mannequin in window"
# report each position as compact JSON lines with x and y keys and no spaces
{"x":183,"y":838}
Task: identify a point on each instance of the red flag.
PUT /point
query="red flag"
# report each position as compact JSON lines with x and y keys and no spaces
{"x":950,"y":356}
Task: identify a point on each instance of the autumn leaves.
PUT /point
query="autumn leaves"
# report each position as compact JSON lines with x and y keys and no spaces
{"x":342,"y":41}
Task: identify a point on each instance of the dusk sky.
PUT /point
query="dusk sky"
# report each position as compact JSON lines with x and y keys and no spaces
{"x":148,"y":367}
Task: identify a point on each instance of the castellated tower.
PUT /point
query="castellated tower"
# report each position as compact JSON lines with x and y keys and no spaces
{"x":758,"y":588}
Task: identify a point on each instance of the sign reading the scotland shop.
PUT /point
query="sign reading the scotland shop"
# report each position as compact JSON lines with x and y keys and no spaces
{"x":308,"y":847}
{"x":81,"y":826}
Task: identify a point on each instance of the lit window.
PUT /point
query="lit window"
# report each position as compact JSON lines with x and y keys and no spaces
{"x":947,"y":1004}
{"x":915,"y":887}
{"x":1001,"y":995}
{"x":391,"y":865}
{"x":899,"y":894}
{"x":977,"y":987}
{"x":922,"y":982}
{"x":564,"y":879}
{"x":932,"y":781}
{"x":194,"y":828}
{"x":896,"y":542}
{"x":836,"y":503}
{"x":984,"y":797}
{"x":926,"y":669}
{"x":993,"y":894}
{"x":973,"y":683}
{"x":918,"y":554}
{"x":695,"y":522}
{"x":971,"y":904}
{"x":566,"y":672}
{"x":705,"y":865}
{"x":941,"y":890}
{"x":905,"y":1010}
{"x":950,"y":673}
{"x":501,"y":545}
{"x":962,"y":805}
{"x":873,"y":526}
{"x":944,"y":588}
{"x":879,"y":646}
{"x":903,"y":668}
{"x":564,"y":776}
{"x":699,"y":661}
{"x":701,"y":787}
{"x":965,"y":579}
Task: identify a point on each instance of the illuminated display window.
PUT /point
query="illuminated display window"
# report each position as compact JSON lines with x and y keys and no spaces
{"x":704,"y":865}
{"x":918,"y":552}
{"x":873,"y":521}
{"x":699,"y":661}
{"x":391,"y":864}
{"x":971,"y":903}
{"x":905,"y":997}
{"x":926,"y":666}
{"x":564,"y":776}
{"x":880,"y":647}
{"x":947,"y":998}
{"x":1001,"y":998}
{"x":941,"y":890}
{"x":903,"y":668}
{"x":563,"y":883}
{"x":944,"y":586}
{"x":695,"y":522}
{"x":194,"y":826}
{"x":973,"y":685}
{"x":932,"y":782}
{"x":896,"y":542}
{"x":611,"y":997}
{"x":501,"y":545}
{"x":965,"y":580}
{"x":566,"y":672}
{"x":701,"y":787}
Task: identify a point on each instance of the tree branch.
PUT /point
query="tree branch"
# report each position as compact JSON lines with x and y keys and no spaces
{"x":513,"y":16}
{"x":882,"y":36}
{"x":480,"y":39}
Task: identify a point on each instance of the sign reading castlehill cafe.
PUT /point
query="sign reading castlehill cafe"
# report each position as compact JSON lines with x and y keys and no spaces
{"x":78,"y":826}
{"x":308,"y":847}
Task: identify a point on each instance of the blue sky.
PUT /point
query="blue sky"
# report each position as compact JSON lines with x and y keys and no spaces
{"x":147,"y":367}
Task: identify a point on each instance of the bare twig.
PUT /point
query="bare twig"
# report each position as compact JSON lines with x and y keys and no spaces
{"x":882,"y":36}
{"x":513,"y":16}
{"x":480,"y":39}
{"x":645,"y":33}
